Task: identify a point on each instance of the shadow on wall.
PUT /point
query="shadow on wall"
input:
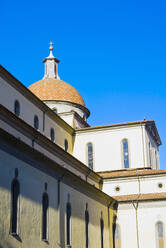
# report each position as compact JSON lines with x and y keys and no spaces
{"x":114,"y":226}
{"x":11,"y":164}
{"x":14,"y":165}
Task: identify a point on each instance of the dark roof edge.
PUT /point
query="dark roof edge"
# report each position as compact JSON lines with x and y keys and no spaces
{"x":21,"y":124}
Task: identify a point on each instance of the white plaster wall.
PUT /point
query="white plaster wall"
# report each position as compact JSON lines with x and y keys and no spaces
{"x":155,"y":163}
{"x":71,"y":120}
{"x":68,"y":119}
{"x":150,"y":184}
{"x":149,"y":213}
{"x":64,"y":107}
{"x":127,"y":226}
{"x":131,"y":185}
{"x":107,"y":147}
{"x":127,"y":186}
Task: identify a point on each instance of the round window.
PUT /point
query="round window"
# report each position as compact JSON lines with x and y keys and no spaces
{"x":117,"y":188}
{"x":160,"y":185}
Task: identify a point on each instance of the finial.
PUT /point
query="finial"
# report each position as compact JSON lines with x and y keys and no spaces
{"x":144,"y":118}
{"x":51,"y":45}
{"x":51,"y":48}
{"x":51,"y":64}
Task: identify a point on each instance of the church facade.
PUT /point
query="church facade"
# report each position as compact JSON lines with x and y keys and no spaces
{"x":64,"y":183}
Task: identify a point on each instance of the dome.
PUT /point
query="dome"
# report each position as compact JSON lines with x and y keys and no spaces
{"x":56,"y":89}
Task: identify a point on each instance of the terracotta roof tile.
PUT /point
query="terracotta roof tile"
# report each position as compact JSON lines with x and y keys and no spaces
{"x":117,"y":124}
{"x":140,"y":197}
{"x":130,"y":173}
{"x":54,"y":89}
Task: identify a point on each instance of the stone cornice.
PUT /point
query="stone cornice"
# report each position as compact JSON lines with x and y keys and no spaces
{"x":149,"y":124}
{"x":141,"y":197}
{"x":24,"y":152}
{"x":28,"y":131}
{"x":141,"y":172}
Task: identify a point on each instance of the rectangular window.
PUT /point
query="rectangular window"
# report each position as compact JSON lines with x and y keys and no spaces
{"x":90,"y":155}
{"x":68,"y":224}
{"x":125,"y":154}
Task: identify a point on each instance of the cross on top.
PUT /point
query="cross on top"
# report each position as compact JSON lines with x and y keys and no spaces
{"x":51,"y":45}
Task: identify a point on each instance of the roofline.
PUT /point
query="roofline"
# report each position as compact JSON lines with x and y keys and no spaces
{"x":115,"y":125}
{"x":130,"y":173}
{"x":154,"y":134}
{"x":145,"y":123}
{"x":140,"y":197}
{"x":29,"y":95}
{"x":48,"y":58}
{"x":7,"y":115}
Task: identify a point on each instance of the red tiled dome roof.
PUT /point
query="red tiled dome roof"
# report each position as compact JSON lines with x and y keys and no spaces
{"x":55,"y":89}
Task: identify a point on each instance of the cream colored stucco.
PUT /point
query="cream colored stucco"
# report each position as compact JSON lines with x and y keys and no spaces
{"x":30,"y":213}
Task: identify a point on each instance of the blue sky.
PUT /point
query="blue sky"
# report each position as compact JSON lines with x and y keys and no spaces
{"x":112,"y":52}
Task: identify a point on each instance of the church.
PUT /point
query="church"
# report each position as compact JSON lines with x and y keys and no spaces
{"x":64,"y":183}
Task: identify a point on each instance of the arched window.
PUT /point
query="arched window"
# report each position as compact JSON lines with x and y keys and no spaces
{"x":17,"y":107}
{"x":66,"y":145}
{"x":125,"y":153}
{"x":15,"y":191}
{"x":90,"y":155}
{"x":102,"y":232}
{"x":68,"y":224}
{"x":36,"y":122}
{"x":52,"y":134}
{"x":45,"y":204}
{"x":116,"y":235}
{"x":87,"y":228}
{"x":160,"y":235}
